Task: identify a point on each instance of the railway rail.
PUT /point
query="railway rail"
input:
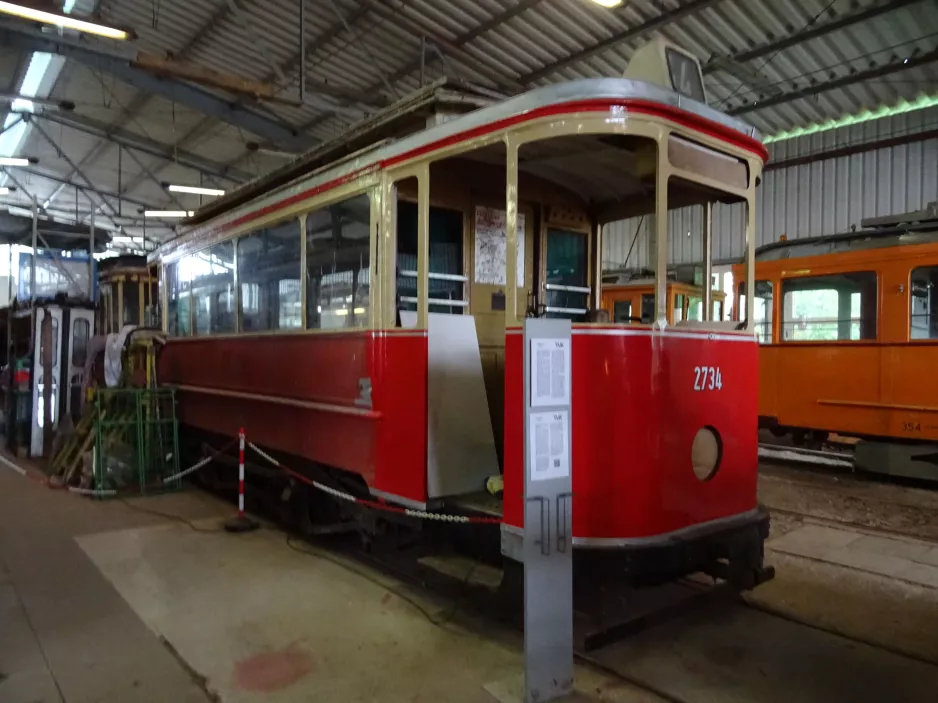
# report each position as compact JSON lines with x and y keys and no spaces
{"x":800,"y":455}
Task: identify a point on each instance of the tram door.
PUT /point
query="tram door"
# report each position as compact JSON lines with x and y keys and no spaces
{"x":566,"y":274}
{"x":38,"y":419}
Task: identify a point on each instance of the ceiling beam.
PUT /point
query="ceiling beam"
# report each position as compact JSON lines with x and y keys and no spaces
{"x":842,"y":82}
{"x":459,"y":41}
{"x":812,"y":32}
{"x":266,"y":128}
{"x":145,"y":145}
{"x":655,"y":23}
{"x":36,"y":173}
{"x":489,"y":69}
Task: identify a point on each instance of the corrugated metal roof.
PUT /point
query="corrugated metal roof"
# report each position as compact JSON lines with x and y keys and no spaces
{"x":364,"y":53}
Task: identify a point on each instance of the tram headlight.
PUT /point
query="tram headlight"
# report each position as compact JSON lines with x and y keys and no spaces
{"x":706,"y":453}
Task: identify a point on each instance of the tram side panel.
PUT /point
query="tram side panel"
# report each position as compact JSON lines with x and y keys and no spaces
{"x":309,"y":395}
{"x":640,"y":398}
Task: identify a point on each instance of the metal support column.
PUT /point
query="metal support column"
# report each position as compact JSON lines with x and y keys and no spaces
{"x":91,"y":281}
{"x":708,"y":262}
{"x":35,"y":244}
{"x":548,"y":507}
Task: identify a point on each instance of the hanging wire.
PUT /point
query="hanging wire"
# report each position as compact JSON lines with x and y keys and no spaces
{"x":778,"y":51}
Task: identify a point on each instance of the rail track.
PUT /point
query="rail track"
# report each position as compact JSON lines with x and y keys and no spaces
{"x":799,"y":455}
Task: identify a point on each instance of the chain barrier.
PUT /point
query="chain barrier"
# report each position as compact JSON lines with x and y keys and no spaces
{"x":423,"y":514}
{"x":334,"y":492}
{"x":199,"y":464}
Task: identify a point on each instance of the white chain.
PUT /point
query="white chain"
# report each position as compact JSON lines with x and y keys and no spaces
{"x":186,"y":472}
{"x":352,"y":499}
{"x":92,"y":492}
{"x":436,"y":516}
{"x":264,"y":454}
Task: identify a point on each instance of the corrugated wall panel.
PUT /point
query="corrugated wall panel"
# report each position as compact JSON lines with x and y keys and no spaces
{"x":808,"y":200}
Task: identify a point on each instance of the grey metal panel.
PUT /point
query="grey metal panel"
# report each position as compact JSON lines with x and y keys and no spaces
{"x":548,"y":518}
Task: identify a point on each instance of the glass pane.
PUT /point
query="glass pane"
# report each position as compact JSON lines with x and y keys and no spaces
{"x":55,"y":341}
{"x":922,"y":316}
{"x":131,"y":302}
{"x":837,"y":307}
{"x":648,"y":308}
{"x":265,"y":258}
{"x":622,"y":311}
{"x":678,"y":308}
{"x":567,"y":263}
{"x":81,"y":331}
{"x":694,"y":308}
{"x":762,"y":309}
{"x":210,"y":279}
{"x":338,"y":279}
{"x":178,"y":297}
{"x":446,"y":257}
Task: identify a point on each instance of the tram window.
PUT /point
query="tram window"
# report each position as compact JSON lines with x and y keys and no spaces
{"x":447,"y":282}
{"x":566,"y":280}
{"x":81,"y":331}
{"x":923,"y":313}
{"x":210,"y":273}
{"x":648,"y":308}
{"x":291,"y":316}
{"x":177,"y":290}
{"x":830,"y":308}
{"x":338,"y":278}
{"x":55,"y":341}
{"x":762,"y":309}
{"x":131,"y":302}
{"x":622,"y":311}
{"x":694,"y":308}
{"x":265,"y":258}
{"x":678,"y":308}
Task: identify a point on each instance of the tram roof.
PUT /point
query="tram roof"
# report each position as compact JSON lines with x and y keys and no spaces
{"x":909,"y":230}
{"x":582,"y":95}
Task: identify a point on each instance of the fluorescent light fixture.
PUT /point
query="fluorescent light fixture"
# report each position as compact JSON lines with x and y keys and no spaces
{"x":16,"y":161}
{"x":168,"y":213}
{"x":195,"y":190}
{"x":359,"y":311}
{"x":4,"y":190}
{"x":341,"y":312}
{"x":63,"y":21}
{"x":608,"y":3}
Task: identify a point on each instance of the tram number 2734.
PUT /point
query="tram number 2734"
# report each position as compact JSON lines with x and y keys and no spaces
{"x":708,"y":378}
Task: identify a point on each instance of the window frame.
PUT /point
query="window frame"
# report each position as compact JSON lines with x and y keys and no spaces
{"x":782,"y":280}
{"x":908,"y":333}
{"x":774,"y":322}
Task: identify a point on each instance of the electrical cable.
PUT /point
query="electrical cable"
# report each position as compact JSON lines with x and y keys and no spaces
{"x":790,"y":79}
{"x":169,"y":516}
{"x":777,"y":52}
{"x":308,"y":550}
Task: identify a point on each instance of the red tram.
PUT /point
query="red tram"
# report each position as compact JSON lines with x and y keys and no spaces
{"x":360,"y":316}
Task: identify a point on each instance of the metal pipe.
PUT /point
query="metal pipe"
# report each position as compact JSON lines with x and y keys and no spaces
{"x":708,"y":261}
{"x":91,"y":281}
{"x":32,"y":265}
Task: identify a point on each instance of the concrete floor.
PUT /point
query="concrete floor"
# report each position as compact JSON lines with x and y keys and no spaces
{"x":103,"y":603}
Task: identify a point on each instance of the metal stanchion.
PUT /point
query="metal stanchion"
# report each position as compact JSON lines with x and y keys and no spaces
{"x":241,"y":522}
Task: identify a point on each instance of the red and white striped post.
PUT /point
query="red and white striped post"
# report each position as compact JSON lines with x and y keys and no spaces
{"x":241,"y":522}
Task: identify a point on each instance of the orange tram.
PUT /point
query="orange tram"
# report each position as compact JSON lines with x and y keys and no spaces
{"x":359,"y":314}
{"x":848,"y":327}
